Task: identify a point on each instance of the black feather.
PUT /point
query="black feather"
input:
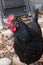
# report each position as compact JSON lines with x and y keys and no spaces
{"x":34,"y":24}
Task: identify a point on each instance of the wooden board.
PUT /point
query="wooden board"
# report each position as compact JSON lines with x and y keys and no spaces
{"x":12,"y":3}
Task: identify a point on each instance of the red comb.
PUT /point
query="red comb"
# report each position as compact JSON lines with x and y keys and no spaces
{"x":10,"y":18}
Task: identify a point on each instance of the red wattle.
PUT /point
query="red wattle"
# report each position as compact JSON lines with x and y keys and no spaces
{"x":13,"y":29}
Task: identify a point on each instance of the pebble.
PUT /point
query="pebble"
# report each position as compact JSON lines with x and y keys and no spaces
{"x":1,"y":27}
{"x":5,"y":61}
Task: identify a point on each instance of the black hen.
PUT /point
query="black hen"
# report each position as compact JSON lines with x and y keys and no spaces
{"x":34,"y":24}
{"x":27,"y":42}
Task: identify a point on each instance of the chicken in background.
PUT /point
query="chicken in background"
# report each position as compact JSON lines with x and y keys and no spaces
{"x":27,"y":41}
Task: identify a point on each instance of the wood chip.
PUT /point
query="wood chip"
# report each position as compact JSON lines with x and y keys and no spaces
{"x":9,"y":47}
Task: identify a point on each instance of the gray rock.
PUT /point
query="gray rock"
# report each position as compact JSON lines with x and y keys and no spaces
{"x":5,"y":61}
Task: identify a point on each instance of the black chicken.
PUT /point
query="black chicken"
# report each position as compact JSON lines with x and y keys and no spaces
{"x":27,"y":42}
{"x":27,"y":45}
